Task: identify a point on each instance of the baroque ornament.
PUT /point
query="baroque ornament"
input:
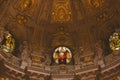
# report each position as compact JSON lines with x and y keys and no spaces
{"x":23,"y":5}
{"x":61,"y":11}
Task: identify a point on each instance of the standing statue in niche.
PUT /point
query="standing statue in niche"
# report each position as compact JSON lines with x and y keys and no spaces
{"x":99,"y":54}
{"x":78,"y":52}
{"x":45,"y":58}
{"x":48,"y":60}
{"x":25,"y":55}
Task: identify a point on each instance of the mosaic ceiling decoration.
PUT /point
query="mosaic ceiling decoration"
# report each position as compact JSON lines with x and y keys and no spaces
{"x":61,"y":11}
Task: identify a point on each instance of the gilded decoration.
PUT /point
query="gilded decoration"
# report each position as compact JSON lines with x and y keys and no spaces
{"x":115,"y":41}
{"x":21,"y":19}
{"x":61,"y":11}
{"x":7,"y":42}
{"x":97,"y":3}
{"x":107,"y":14}
{"x":23,"y":5}
{"x":91,"y":7}
{"x":36,"y":60}
{"x":26,"y":4}
{"x":59,"y":40}
{"x":87,"y":58}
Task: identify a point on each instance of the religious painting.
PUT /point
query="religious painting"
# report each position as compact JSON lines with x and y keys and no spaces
{"x":62,"y":55}
{"x":115,"y":41}
{"x":8,"y":43}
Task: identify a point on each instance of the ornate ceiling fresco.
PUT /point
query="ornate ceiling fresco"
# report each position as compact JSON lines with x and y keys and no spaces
{"x":84,"y":20}
{"x":36,"y":21}
{"x":46,"y":33}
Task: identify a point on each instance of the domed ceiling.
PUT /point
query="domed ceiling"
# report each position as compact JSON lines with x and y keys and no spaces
{"x":48,"y":24}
